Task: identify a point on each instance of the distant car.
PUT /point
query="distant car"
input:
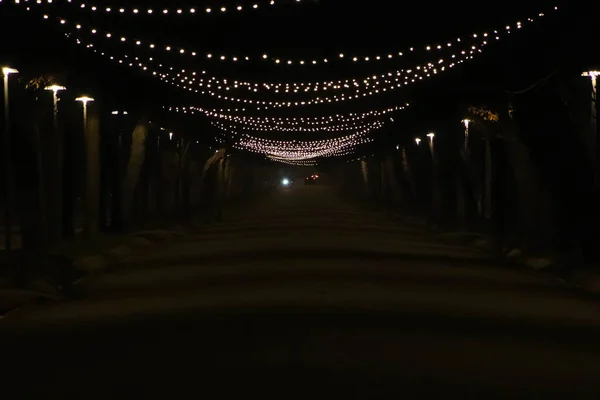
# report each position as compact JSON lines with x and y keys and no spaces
{"x":311,"y":180}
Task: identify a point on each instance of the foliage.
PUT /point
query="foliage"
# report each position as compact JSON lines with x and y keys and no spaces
{"x":484,"y":112}
{"x":40,"y":82}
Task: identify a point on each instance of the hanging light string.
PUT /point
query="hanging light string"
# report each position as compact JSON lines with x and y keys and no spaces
{"x":290,"y":122}
{"x":304,"y":150}
{"x":193,"y":81}
{"x":265,"y":57}
{"x":303,"y":163}
{"x":188,"y":79}
{"x":234,"y":133}
{"x":428,"y":71}
{"x":249,"y":126}
{"x":167,"y":12}
{"x":410,"y":77}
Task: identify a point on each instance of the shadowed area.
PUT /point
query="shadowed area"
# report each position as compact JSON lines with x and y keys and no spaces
{"x":303,"y":292}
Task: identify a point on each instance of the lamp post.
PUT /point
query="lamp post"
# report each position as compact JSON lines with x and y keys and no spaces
{"x":435,"y":188}
{"x":431,"y":135}
{"x":55,"y":89}
{"x":461,"y":190}
{"x":91,"y":141}
{"x":466,"y":122}
{"x":6,"y":72}
{"x":84,"y":100}
{"x":593,"y":75}
{"x":56,"y":210}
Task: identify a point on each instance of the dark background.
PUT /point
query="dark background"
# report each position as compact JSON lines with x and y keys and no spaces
{"x":560,"y":43}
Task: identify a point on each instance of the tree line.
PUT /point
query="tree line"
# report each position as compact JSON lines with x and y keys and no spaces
{"x":112,"y":172}
{"x":520,"y":167}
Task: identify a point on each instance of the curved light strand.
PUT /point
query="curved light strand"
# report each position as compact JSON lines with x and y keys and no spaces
{"x":171,"y":12}
{"x":430,"y":48}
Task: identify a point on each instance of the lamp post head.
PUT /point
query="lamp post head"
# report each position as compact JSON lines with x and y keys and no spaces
{"x":55,"y":88}
{"x":591,"y":74}
{"x":418,"y":141}
{"x":7,"y":71}
{"x":430,"y":135}
{"x":170,"y":135}
{"x":466,"y":122}
{"x":84,"y":99}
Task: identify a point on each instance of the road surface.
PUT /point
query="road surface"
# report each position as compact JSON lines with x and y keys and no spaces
{"x":304,"y":295}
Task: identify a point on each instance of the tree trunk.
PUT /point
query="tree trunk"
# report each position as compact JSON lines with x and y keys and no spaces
{"x":55,"y":187}
{"x":26,"y":189}
{"x":527,"y":187}
{"x":364,"y":167}
{"x":71,"y":178}
{"x":409,"y":176}
{"x":384,"y":188}
{"x":104,"y":192}
{"x":92,"y":176}
{"x":42,"y":198}
{"x":461,"y":198}
{"x":436,"y":194}
{"x":394,"y":185}
{"x":487,"y":176}
{"x":152,"y":171}
{"x":136,"y":160}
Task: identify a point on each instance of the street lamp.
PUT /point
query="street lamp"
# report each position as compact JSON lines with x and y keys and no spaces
{"x":466,"y":122}
{"x":6,"y":72}
{"x":84,"y":100}
{"x":58,"y":168}
{"x":55,"y":89}
{"x":431,"y":135}
{"x":418,"y":141}
{"x":593,"y":75}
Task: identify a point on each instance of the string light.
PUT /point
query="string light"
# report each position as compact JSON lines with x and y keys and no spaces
{"x":403,"y":78}
{"x":410,"y":77}
{"x":193,"y":81}
{"x":331,"y":85}
{"x":346,"y":127}
{"x":188,"y":11}
{"x":303,"y":61}
{"x":304,"y":150}
{"x":285,"y":123}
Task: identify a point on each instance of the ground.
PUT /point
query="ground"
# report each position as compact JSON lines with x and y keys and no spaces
{"x":301,"y":295}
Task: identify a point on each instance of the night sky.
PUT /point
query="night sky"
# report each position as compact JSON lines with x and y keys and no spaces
{"x":311,"y":29}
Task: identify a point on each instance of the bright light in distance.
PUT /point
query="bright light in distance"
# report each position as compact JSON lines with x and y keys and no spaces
{"x":55,"y":88}
{"x":285,"y":182}
{"x":84,"y":99}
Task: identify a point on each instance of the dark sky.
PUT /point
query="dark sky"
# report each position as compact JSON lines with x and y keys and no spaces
{"x":313,"y":29}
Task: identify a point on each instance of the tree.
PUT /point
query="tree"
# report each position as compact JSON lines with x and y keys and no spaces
{"x":500,"y":126}
{"x":134,"y":166}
